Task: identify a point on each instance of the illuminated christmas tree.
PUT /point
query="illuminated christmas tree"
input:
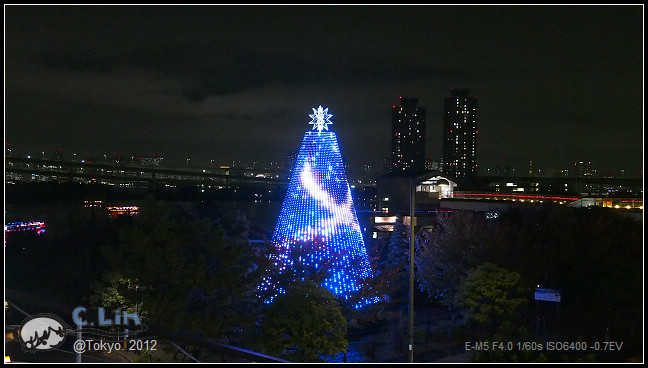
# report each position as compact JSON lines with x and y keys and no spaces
{"x":318,"y":211}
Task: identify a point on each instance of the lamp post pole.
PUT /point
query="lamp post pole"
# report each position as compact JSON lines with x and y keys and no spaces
{"x":411,"y":273}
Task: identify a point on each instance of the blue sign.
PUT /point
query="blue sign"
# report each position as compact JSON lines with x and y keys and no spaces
{"x":549,"y":295}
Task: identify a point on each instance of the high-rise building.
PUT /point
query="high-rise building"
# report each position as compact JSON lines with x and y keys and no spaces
{"x":460,"y":134}
{"x":290,"y":160}
{"x":408,"y":136}
{"x":584,"y":169}
{"x":57,"y":155}
{"x":531,"y":172}
{"x":386,"y":166}
{"x":431,"y":165}
{"x":366,"y":167}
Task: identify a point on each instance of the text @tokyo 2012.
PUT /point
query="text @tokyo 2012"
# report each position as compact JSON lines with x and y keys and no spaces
{"x":82,"y":346}
{"x":544,"y":346}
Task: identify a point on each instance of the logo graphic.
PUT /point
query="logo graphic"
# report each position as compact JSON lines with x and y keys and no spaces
{"x":46,"y":331}
{"x":42,"y":332}
{"x":120,"y":318}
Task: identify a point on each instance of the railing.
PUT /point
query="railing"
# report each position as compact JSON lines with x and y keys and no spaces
{"x":513,"y":197}
{"x":138,"y":173}
{"x":25,"y":302}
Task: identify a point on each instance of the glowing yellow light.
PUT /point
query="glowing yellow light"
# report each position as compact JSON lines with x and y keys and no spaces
{"x":387,"y":219}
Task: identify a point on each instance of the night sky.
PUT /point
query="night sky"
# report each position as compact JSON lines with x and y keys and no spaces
{"x":555,"y":84}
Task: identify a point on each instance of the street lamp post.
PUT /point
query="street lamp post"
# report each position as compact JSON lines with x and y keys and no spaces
{"x":414,"y":181}
{"x":411,"y":272}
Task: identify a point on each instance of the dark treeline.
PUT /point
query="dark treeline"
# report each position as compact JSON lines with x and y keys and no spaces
{"x":188,"y":267}
{"x":487,"y":268}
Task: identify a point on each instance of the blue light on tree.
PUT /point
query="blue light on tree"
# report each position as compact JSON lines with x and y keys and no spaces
{"x":318,"y":210}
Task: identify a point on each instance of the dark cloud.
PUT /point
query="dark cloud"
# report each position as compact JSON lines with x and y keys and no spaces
{"x":555,"y":83}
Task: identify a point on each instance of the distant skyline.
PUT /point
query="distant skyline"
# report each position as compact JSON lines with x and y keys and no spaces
{"x":556,"y":84}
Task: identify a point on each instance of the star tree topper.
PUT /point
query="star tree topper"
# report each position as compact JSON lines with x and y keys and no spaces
{"x":320,"y":118}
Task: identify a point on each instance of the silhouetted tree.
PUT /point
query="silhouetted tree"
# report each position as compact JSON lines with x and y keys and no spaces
{"x":490,"y":296}
{"x":398,"y":249}
{"x":594,"y":256}
{"x":189,"y":276}
{"x":459,"y":242}
{"x":395,"y":271}
{"x":304,"y":325}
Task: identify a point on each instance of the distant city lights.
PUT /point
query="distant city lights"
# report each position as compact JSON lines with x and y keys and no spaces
{"x":122,"y":210}
{"x":38,"y":226}
{"x":516,"y":196}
